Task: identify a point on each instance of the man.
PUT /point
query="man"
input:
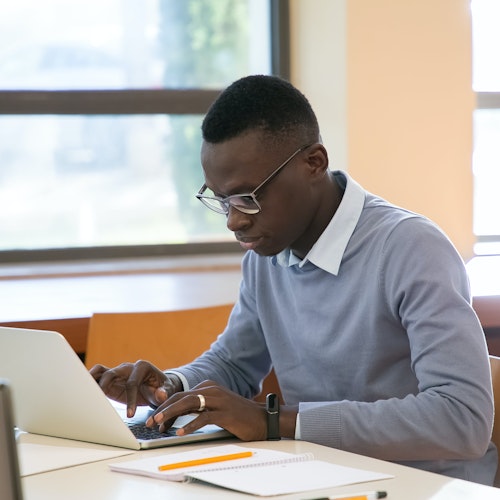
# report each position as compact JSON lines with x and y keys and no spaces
{"x":362,"y":308}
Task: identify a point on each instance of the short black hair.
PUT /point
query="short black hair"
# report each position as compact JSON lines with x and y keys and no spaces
{"x":268,"y":103}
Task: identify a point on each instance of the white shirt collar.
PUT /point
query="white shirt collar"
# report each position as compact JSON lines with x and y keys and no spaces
{"x":329,"y":249}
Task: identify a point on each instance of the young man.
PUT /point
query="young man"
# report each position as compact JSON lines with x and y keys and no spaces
{"x":362,"y":308}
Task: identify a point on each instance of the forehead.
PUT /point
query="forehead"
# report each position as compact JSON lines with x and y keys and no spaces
{"x":238,"y":164}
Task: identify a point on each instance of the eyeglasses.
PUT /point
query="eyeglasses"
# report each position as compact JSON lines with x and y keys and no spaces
{"x":246,"y":202}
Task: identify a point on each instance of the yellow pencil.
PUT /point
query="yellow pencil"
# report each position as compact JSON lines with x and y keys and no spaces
{"x":208,"y":460}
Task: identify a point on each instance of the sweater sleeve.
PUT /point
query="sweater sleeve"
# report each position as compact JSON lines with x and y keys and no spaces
{"x":424,"y":285}
{"x":239,"y":358}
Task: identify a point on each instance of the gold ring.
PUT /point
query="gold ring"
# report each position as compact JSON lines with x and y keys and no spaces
{"x":202,"y":402}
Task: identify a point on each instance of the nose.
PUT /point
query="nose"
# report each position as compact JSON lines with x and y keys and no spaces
{"x":236,"y":220}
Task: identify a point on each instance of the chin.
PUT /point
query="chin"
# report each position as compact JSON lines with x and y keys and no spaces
{"x":267,"y":252}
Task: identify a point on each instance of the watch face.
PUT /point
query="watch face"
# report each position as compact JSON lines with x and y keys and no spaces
{"x":273,"y":417}
{"x":272,"y":403}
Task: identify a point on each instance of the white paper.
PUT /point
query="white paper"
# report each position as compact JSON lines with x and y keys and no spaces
{"x":286,"y":478}
{"x":36,"y":458}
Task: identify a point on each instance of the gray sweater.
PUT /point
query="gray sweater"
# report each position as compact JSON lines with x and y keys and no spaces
{"x":373,"y":335}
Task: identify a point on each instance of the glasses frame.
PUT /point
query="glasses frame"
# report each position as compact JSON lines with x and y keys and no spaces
{"x":225,"y":202}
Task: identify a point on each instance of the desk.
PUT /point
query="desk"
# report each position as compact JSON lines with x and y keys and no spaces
{"x":96,"y":481}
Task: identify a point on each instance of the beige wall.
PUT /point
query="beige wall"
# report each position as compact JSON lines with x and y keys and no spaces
{"x":391,"y":83}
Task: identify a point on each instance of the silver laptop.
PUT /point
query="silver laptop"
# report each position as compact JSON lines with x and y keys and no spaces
{"x":10,"y":479}
{"x":55,"y":395}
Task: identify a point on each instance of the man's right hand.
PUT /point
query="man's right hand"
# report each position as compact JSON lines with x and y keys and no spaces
{"x":136,"y":384}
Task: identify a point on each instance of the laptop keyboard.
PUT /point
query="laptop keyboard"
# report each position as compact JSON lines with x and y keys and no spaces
{"x":140,"y":431}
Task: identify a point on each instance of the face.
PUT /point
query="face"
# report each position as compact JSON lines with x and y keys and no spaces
{"x":289,"y":202}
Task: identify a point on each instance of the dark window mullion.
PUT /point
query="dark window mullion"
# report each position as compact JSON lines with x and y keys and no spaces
{"x":280,"y":38}
{"x":116,"y":102}
{"x":487,"y":100}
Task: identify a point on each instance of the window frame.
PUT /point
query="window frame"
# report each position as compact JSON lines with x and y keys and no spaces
{"x":130,"y":102}
{"x":487,"y":100}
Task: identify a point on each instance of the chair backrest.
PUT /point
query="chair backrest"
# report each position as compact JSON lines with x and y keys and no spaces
{"x":166,"y":338}
{"x":495,"y":377}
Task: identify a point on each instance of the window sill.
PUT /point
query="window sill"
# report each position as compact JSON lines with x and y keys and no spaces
{"x":136,"y":265}
{"x":78,"y":289}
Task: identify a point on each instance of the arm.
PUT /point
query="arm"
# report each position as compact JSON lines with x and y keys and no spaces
{"x":239,"y":359}
{"x":448,"y":414}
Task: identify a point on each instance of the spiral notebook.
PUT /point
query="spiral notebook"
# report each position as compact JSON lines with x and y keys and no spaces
{"x":265,"y":473}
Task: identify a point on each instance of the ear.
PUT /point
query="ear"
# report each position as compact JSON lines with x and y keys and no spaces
{"x":317,"y":159}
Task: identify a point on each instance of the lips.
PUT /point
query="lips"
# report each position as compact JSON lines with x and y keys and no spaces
{"x":248,"y":243}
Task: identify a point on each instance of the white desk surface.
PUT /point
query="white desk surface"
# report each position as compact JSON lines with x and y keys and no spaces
{"x":95,"y":481}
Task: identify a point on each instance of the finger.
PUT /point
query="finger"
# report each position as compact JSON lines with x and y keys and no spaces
{"x":206,"y":384}
{"x":197,"y":423}
{"x":160,"y":395}
{"x":150,"y":422}
{"x":153,"y":389}
{"x":109,"y":380}
{"x":144,"y":381}
{"x":182,"y":403}
{"x":132,"y":384}
{"x":97,"y":371}
{"x":176,"y":405}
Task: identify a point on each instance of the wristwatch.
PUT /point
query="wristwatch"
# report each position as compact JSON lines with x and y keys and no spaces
{"x":273,"y":417}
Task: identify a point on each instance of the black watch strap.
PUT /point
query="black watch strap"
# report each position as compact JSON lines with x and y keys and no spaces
{"x":273,"y":417}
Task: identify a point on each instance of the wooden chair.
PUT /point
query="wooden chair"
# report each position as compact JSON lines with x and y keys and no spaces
{"x":167,"y":338}
{"x":495,"y":377}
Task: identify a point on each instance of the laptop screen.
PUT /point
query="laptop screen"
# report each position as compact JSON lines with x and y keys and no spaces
{"x":10,"y":483}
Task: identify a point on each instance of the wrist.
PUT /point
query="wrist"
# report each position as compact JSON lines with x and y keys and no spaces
{"x":173,"y":384}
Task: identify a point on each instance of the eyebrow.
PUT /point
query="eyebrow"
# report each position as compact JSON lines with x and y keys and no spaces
{"x":242,"y":190}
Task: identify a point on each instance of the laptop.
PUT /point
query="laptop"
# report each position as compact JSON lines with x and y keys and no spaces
{"x":10,"y":479}
{"x":57,"y":396}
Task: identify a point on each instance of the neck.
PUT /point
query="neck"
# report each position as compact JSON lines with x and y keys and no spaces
{"x":331,"y":196}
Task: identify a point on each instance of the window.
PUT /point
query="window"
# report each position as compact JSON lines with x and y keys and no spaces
{"x":101,"y":103}
{"x":486,"y":159}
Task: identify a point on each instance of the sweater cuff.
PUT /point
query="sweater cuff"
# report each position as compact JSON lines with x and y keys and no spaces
{"x":183,"y":379}
{"x":320,"y":422}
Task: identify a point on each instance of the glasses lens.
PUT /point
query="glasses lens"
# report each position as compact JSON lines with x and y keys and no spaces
{"x":245,"y":204}
{"x":213,"y":204}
